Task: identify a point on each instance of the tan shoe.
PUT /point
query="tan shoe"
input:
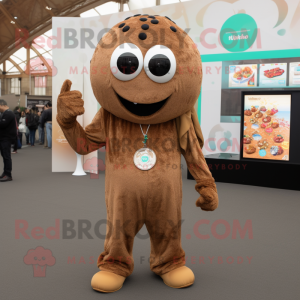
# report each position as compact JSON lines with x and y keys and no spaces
{"x":179,"y":278}
{"x":107,"y":282}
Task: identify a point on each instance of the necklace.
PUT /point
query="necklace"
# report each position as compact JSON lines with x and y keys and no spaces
{"x":144,"y":158}
{"x":145,"y":135}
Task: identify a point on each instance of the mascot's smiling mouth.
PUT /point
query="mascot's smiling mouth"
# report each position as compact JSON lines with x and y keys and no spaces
{"x":142,"y":110}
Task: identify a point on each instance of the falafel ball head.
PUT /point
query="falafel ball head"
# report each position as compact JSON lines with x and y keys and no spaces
{"x":146,"y":92}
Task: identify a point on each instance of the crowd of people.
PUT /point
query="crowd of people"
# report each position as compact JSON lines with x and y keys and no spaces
{"x":16,"y":125}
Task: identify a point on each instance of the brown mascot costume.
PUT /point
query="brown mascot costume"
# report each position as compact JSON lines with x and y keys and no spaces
{"x":146,"y":73}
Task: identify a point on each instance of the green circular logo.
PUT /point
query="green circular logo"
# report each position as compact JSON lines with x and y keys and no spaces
{"x":145,"y":158}
{"x":238,"y":33}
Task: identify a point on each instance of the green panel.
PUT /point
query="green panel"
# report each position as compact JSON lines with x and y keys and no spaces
{"x":230,"y":119}
{"x":199,"y":107}
{"x":251,"y":55}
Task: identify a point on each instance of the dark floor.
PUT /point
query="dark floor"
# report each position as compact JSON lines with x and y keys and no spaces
{"x":39,"y":197}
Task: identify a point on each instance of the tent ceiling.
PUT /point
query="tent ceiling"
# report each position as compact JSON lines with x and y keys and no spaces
{"x":35,"y":16}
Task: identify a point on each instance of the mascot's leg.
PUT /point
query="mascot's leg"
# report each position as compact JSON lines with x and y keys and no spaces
{"x":163,"y":221}
{"x":124,"y":220}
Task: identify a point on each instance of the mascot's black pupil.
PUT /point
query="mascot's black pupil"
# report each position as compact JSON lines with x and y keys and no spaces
{"x":159,"y":65}
{"x":127,"y":63}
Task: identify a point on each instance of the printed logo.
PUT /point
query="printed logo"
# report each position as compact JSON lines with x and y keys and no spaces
{"x":39,"y":258}
{"x":238,"y":33}
{"x":145,"y":158}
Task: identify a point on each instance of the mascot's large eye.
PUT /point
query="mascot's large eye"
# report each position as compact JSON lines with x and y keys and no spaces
{"x":160,"y":64}
{"x":126,"y":62}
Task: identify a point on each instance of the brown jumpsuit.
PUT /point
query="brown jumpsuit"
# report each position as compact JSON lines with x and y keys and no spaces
{"x":135,"y":197}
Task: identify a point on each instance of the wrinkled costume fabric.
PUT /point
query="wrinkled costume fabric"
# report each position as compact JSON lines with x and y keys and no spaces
{"x":136,"y":197}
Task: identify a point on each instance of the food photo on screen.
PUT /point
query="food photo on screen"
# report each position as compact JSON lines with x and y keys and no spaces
{"x":273,"y":75}
{"x":266,"y":133}
{"x":294,"y":74}
{"x":242,"y":76}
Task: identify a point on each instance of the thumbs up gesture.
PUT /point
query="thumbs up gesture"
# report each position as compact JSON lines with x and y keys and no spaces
{"x":69,"y":104}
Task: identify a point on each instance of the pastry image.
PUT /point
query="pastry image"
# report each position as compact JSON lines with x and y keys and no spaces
{"x":249,"y":149}
{"x":275,"y":125}
{"x":253,"y":120}
{"x":247,"y":112}
{"x":253,"y":109}
{"x":263,"y":125}
{"x":262,"y":109}
{"x":262,"y":144}
{"x":269,"y":129}
{"x":258,"y":115}
{"x":266,"y":119}
{"x":256,"y":136}
{"x":262,"y":152}
{"x":247,"y":139}
{"x":269,"y":112}
{"x":276,"y":150}
{"x":278,"y":138}
{"x":274,"y":111}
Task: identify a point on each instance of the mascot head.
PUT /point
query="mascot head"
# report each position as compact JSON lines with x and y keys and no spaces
{"x":146,"y":70}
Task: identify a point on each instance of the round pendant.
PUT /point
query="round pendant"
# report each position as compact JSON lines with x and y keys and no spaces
{"x":144,"y":159}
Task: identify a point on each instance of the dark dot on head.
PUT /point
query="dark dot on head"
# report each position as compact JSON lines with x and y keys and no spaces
{"x":143,"y":19}
{"x":151,"y":17}
{"x":154,"y":21}
{"x":145,"y":26}
{"x":142,"y":36}
{"x":121,"y":25}
{"x":173,"y":28}
{"x":127,"y":18}
{"x":126,"y":28}
{"x":136,"y":15}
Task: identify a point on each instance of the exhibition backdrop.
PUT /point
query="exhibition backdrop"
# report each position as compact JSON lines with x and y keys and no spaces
{"x":243,"y":45}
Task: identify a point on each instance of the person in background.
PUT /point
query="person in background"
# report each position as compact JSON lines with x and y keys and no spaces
{"x":41,"y":129}
{"x":47,"y":120}
{"x":44,"y":128}
{"x":17,"y":113}
{"x":22,"y":126}
{"x":16,"y":143}
{"x":32,"y":124}
{"x":8,"y":133}
{"x":27,"y":112}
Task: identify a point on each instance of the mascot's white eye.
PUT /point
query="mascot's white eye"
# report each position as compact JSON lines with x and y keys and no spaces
{"x":160,"y":64}
{"x":126,"y":62}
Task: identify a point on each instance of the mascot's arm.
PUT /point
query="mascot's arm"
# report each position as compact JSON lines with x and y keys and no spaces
{"x":69,"y":106}
{"x":197,"y":166}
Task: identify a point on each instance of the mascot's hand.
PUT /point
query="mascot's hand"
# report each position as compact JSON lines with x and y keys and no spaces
{"x":69,"y":104}
{"x":208,"y":200}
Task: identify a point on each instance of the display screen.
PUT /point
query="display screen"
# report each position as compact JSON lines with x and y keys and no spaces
{"x":273,"y":75}
{"x":242,"y":76}
{"x":266,"y":132}
{"x":294,"y":74}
